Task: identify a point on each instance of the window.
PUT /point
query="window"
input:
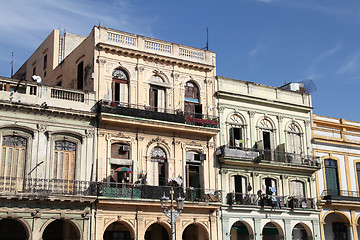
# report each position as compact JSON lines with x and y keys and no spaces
{"x":266,"y":142}
{"x":294,"y":140}
{"x":120,"y":150}
{"x":331,"y":174}
{"x":269,"y":185}
{"x":239,"y":187}
{"x":45,"y":62}
{"x":358,"y":173}
{"x":297,"y":189}
{"x":64,"y":164}
{"x":13,"y":161}
{"x":192,"y":99}
{"x":236,"y":131}
{"x":194,"y":169}
{"x":157,"y":95}
{"x":80,"y":76}
{"x":158,"y":156}
{"x":120,"y":86}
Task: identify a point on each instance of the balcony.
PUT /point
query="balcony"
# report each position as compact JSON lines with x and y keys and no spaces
{"x":36,"y":188}
{"x":340,"y":195}
{"x":45,"y":188}
{"x":160,"y":114}
{"x":146,"y":192}
{"x":267,"y":156}
{"x":275,"y":202}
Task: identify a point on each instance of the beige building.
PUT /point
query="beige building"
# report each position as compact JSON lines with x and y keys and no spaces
{"x":155,"y":124}
{"x":267,"y":167}
{"x":47,"y":162}
{"x":337,"y":143}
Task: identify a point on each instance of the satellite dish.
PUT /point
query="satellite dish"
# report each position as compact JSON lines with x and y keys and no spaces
{"x":36,"y":78}
{"x":309,"y":85}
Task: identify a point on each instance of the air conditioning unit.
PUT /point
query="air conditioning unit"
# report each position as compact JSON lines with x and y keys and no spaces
{"x":125,"y":148}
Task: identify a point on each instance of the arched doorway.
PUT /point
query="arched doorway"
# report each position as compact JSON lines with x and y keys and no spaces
{"x":117,"y":231}
{"x":300,"y":232}
{"x":195,"y":232}
{"x":157,"y":232}
{"x":239,"y":231}
{"x":12,"y":229}
{"x":61,"y":230}
{"x":271,"y":232}
{"x":336,"y":227}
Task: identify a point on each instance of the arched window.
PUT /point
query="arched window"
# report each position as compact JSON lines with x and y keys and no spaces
{"x":236,"y":131}
{"x":269,"y":186}
{"x":332,"y":179}
{"x":13,"y":161}
{"x":266,"y":136}
{"x":64,"y":164}
{"x":294,"y":139}
{"x":157,"y":95}
{"x":239,"y":185}
{"x":120,"y":86}
{"x":192,"y":99}
{"x":158,"y":156}
{"x":64,"y":161}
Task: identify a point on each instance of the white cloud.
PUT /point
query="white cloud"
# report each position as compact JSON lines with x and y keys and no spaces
{"x":352,"y":64}
{"x":28,"y":22}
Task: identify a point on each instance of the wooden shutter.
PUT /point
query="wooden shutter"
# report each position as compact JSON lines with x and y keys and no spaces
{"x":161,"y":100}
{"x":332,"y":182}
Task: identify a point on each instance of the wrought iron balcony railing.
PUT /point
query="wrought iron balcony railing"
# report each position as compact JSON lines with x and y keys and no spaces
{"x":156,"y":113}
{"x":130,"y":191}
{"x":258,"y":156}
{"x":270,"y":201}
{"x":46,"y":187}
{"x":43,"y":188}
{"x":340,"y":195}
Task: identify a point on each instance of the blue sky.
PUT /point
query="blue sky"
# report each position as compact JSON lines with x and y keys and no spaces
{"x":265,"y":41}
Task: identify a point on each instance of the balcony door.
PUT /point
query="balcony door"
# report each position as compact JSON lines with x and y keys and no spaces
{"x":157,"y":98}
{"x":239,"y":187}
{"x":267,"y":141}
{"x":332,"y":178}
{"x":158,"y":157}
{"x":294,"y":147}
{"x":12,"y":167}
{"x":270,"y":186}
{"x":64,"y":165}
{"x":192,"y":100}
{"x":120,"y":86}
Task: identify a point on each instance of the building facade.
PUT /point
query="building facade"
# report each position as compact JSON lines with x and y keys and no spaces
{"x":47,"y":162}
{"x":337,"y":143}
{"x":156,"y":127}
{"x":265,"y":157}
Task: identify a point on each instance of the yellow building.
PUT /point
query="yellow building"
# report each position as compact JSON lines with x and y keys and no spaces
{"x":155,"y":124}
{"x":337,"y":143}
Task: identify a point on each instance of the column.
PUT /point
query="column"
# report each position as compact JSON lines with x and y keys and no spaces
{"x":316,"y":230}
{"x":257,"y":229}
{"x":225,"y":228}
{"x":288,"y":230}
{"x":252,"y":137}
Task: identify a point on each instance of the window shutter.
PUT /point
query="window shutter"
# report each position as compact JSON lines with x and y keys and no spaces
{"x":161,"y":100}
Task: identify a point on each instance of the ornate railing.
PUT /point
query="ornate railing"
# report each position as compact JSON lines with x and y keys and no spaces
{"x":67,"y":95}
{"x":46,"y":187}
{"x":131,"y":191}
{"x":334,"y":194}
{"x":259,"y":156}
{"x":32,"y":187}
{"x":264,"y":200}
{"x":156,"y":113}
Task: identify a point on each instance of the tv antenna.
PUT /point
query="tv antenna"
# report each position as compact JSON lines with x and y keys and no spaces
{"x":12,"y":64}
{"x":207,"y":39}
